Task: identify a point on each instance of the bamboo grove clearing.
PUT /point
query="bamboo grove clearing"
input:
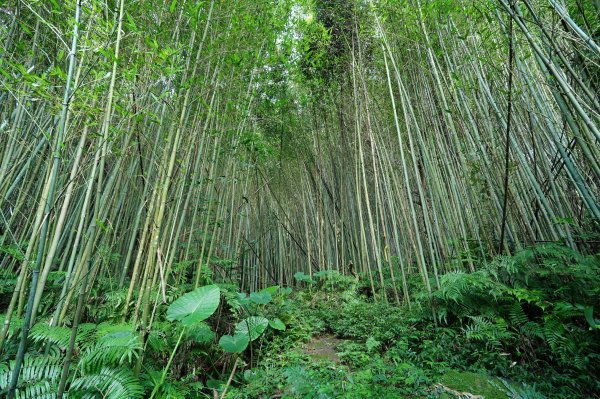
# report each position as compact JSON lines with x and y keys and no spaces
{"x":152,"y":148}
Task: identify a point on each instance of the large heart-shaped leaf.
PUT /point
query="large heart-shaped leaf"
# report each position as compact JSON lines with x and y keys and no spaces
{"x":260,"y":298}
{"x":271,"y":290}
{"x":236,"y":344}
{"x":277,"y":324}
{"x":243,"y":299}
{"x":252,"y":327}
{"x":195,"y":306}
{"x":301,"y":277}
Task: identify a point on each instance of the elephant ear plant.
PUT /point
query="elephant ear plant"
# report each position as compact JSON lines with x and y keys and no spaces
{"x":255,"y":324}
{"x":190,"y":309}
{"x":251,"y":327}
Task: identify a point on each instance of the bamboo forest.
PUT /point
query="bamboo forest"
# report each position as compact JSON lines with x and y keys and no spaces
{"x":314,"y":199}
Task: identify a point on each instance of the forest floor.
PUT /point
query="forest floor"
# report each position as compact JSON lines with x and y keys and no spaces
{"x":324,"y":347}
{"x":334,"y":360}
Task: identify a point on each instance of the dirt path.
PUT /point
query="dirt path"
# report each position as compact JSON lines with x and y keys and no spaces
{"x":324,"y":347}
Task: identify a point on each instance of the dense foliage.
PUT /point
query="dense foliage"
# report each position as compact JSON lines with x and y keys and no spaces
{"x":197,"y":197}
{"x":519,"y":327}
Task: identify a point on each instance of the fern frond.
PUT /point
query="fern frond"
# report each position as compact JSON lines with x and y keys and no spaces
{"x":163,"y":336}
{"x":115,"y":299}
{"x":106,"y":328}
{"x":502,"y":267}
{"x":56,"y":335}
{"x":532,"y":330}
{"x":38,"y":378}
{"x":553,"y":333}
{"x":86,"y":335}
{"x":8,"y":279}
{"x":172,"y":390}
{"x":201,"y":333}
{"x":491,"y":332}
{"x":516,"y":314}
{"x":112,"y":349}
{"x":109,"y":305}
{"x":521,"y":391}
{"x":38,"y":390}
{"x":452,"y":286}
{"x":14,"y":327}
{"x":108,"y":383}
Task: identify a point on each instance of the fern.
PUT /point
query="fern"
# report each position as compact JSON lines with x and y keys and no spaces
{"x":532,"y":330}
{"x":553,"y":333}
{"x":453,"y":286}
{"x":501,"y":267}
{"x":518,"y":392}
{"x":492,"y":332}
{"x":107,"y":383}
{"x":8,"y":279}
{"x":169,"y":389}
{"x":159,"y":336}
{"x":14,"y":326}
{"x":117,"y":347}
{"x":172,"y":390}
{"x":516,"y":314}
{"x":56,"y":335}
{"x":38,"y":377}
{"x":37,"y":390}
{"x":201,"y":333}
{"x":103,"y":329}
{"x":107,"y":347}
{"x":468,"y":294}
{"x":86,"y":335}
{"x":16,"y":251}
{"x":109,"y":306}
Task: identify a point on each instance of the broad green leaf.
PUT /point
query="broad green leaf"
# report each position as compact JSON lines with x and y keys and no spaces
{"x":277,"y":324}
{"x":195,"y":306}
{"x":252,"y":326}
{"x":271,"y":290}
{"x":300,"y":276}
{"x":243,"y":299}
{"x":236,"y":344}
{"x":260,"y":298}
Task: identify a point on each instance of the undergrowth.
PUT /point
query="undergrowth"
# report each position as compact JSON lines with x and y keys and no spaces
{"x":522,"y":326}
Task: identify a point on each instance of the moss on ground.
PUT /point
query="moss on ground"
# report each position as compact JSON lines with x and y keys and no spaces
{"x":473,"y":383}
